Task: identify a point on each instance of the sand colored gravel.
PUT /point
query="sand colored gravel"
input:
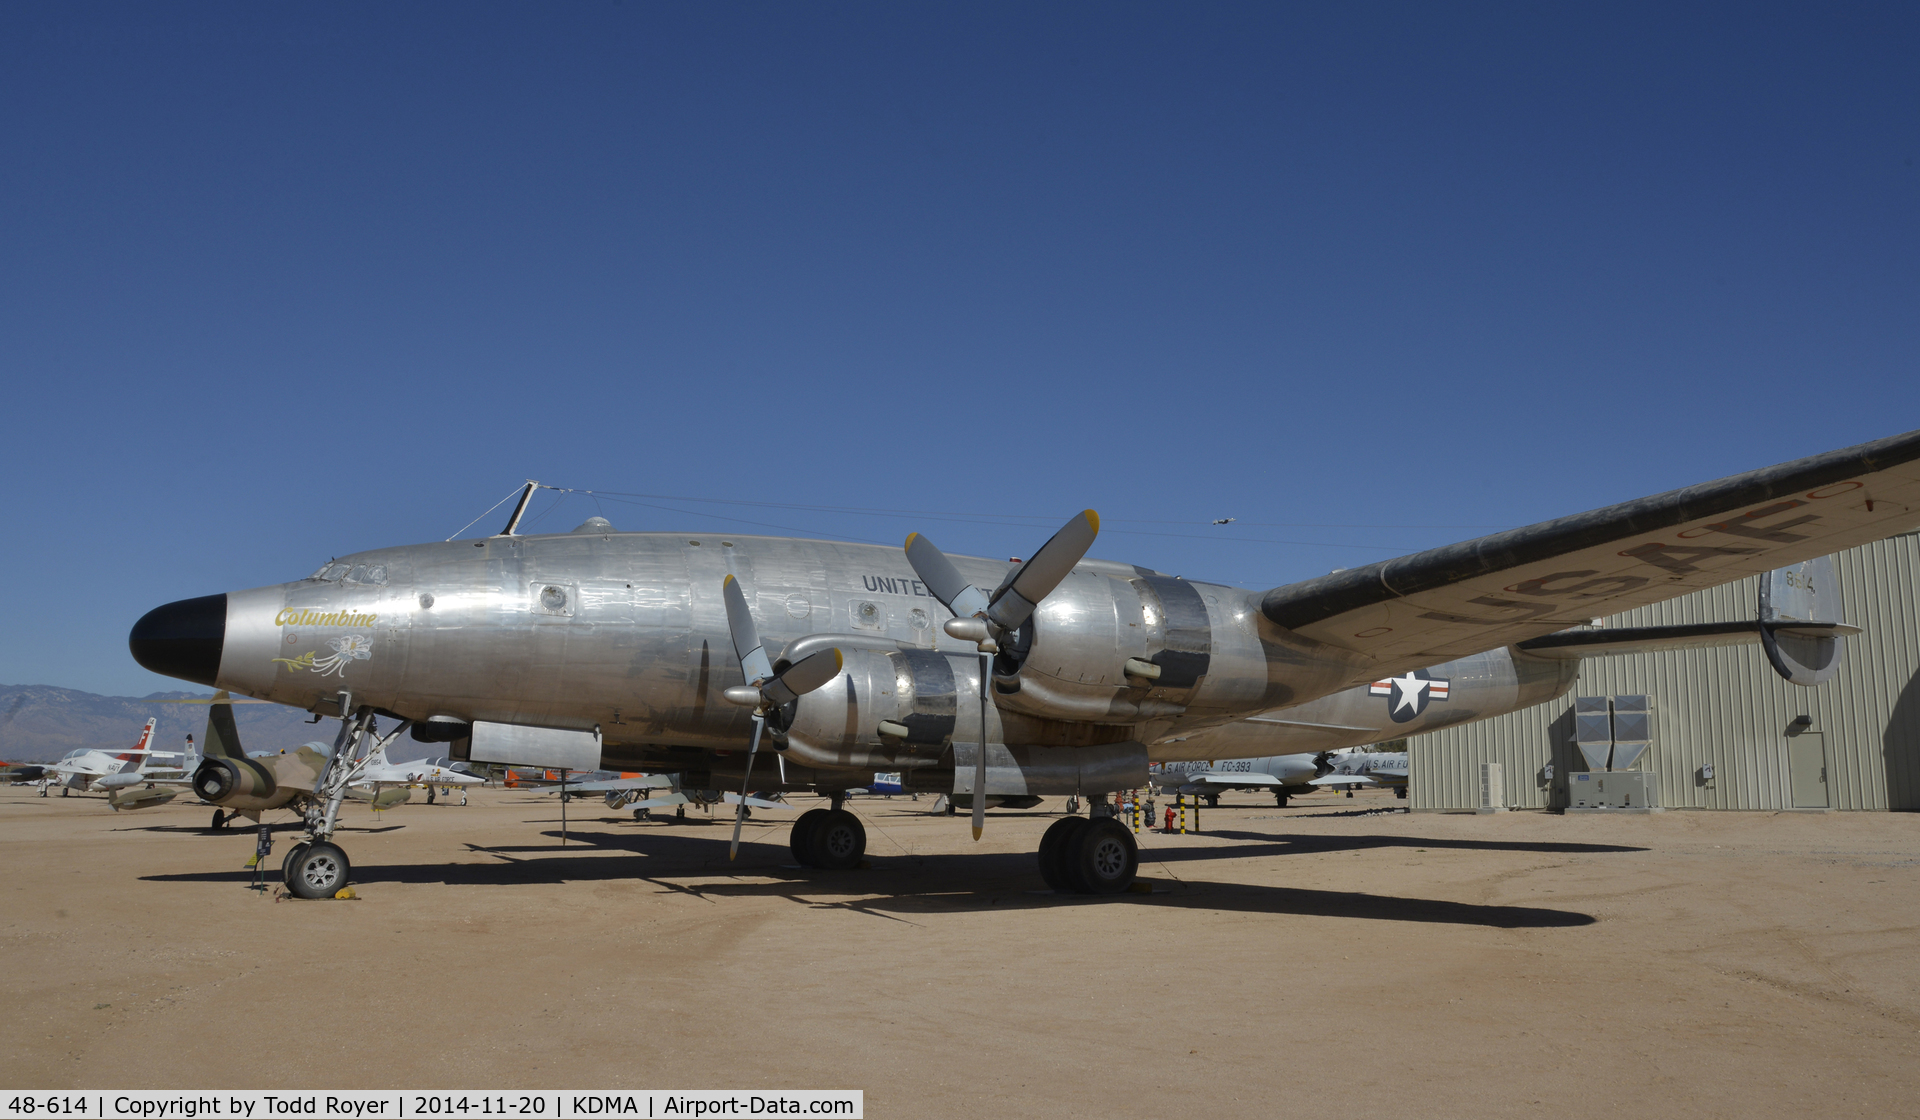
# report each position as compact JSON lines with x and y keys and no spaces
{"x":1333,"y":959}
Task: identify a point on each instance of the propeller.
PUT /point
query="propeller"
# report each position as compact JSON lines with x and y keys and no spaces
{"x":764,"y":691}
{"x":984,"y":618}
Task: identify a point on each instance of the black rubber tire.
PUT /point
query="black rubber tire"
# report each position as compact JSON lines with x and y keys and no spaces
{"x":286,"y":865}
{"x":219,"y":820}
{"x":800,"y":840}
{"x":320,"y":871}
{"x":1280,"y":799}
{"x":1103,"y":858}
{"x":1213,"y":801}
{"x":1053,"y":842}
{"x":838,"y":841}
{"x":1400,"y":792}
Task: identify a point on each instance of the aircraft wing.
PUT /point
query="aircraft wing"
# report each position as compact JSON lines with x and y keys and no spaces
{"x":757,"y":802}
{"x":1526,"y":583}
{"x":611,"y":784}
{"x":1344,"y":780}
{"x":1225,"y":780}
{"x":662,"y":802}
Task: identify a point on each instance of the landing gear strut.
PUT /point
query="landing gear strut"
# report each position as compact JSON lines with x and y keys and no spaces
{"x":316,"y":867}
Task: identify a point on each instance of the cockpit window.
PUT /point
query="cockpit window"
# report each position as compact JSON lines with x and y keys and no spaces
{"x":367,"y":573}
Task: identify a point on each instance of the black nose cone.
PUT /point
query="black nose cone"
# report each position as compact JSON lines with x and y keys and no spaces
{"x":182,"y":639}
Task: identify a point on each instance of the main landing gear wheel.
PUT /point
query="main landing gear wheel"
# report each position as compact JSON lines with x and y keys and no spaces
{"x":286,"y":865}
{"x":219,"y":820}
{"x":1101,"y":858}
{"x":1058,"y":837}
{"x":838,"y":841}
{"x":319,"y":872}
{"x":1280,"y":798}
{"x":1213,"y":800}
{"x":801,"y":838}
{"x":1400,"y":792}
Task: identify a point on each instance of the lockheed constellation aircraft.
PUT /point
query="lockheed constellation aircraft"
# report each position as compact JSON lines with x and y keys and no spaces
{"x":1059,"y":675}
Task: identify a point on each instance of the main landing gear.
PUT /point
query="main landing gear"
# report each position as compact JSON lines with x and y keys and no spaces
{"x":832,"y":839}
{"x":1088,"y":856}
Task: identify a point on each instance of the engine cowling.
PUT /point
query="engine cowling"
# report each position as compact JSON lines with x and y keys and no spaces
{"x":1105,"y":649}
{"x":234,"y":783}
{"x":888,"y":710}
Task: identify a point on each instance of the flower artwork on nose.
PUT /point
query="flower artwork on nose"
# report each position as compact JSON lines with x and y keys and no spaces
{"x":347,"y":649}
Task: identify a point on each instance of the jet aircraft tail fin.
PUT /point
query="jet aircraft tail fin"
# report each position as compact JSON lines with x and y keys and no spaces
{"x":135,"y":759}
{"x":222,"y":739}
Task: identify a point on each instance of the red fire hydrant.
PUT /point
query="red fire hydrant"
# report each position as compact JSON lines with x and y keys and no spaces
{"x":1169,"y":818}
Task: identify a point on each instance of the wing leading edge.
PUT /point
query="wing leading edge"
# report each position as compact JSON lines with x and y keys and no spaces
{"x":1526,"y":583}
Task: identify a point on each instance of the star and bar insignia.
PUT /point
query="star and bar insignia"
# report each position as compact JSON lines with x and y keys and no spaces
{"x":1408,"y":696}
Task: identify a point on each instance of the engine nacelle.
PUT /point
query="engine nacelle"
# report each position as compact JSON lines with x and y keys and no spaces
{"x":235,"y":783}
{"x":1106,"y":649}
{"x":888,"y":710}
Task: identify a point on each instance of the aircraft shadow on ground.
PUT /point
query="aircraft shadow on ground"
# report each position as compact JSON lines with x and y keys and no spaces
{"x":251,"y":829}
{"x":897,"y":887}
{"x":1262,"y":842}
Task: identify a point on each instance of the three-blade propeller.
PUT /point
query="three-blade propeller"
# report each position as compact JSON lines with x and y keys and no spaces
{"x":765,"y":691}
{"x":984,"y":618}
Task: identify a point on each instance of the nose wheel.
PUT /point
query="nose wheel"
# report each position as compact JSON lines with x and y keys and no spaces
{"x":316,"y":870}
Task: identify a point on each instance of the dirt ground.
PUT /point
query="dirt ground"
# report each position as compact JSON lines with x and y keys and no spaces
{"x":1337,"y":958}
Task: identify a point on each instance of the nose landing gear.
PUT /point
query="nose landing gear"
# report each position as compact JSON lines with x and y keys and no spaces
{"x":316,"y":867}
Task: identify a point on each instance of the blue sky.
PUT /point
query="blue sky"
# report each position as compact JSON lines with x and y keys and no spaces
{"x":279,"y":282}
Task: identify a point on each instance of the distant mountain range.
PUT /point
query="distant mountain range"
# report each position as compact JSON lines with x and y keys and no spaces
{"x":39,"y":723}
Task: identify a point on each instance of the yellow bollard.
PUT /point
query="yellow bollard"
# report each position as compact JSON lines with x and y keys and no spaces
{"x":1181,"y":801}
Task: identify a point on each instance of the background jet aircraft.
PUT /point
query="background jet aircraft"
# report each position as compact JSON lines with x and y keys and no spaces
{"x":1056,"y":675}
{"x":381,"y":774}
{"x":1354,"y":769}
{"x":99,"y":771}
{"x":1281,"y":775}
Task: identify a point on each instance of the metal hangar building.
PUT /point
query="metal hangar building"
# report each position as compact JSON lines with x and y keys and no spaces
{"x":1727,"y":731}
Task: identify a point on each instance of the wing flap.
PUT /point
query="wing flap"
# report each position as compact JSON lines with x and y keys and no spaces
{"x":1574,"y":644}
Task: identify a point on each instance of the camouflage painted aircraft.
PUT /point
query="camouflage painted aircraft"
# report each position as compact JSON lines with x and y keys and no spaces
{"x":1059,"y":675}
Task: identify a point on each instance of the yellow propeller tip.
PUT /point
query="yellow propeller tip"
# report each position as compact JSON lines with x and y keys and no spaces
{"x":910,"y":537}
{"x":728,"y":580}
{"x":1093,"y":519}
{"x":976,"y":833}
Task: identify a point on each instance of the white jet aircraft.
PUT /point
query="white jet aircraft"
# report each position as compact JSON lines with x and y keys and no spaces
{"x":99,"y":771}
{"x":1361,"y":769}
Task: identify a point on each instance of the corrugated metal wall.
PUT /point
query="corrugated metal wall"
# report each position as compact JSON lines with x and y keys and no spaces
{"x":1726,"y":707}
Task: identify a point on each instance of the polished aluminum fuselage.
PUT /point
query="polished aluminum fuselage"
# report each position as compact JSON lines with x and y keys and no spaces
{"x":626,"y":634}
